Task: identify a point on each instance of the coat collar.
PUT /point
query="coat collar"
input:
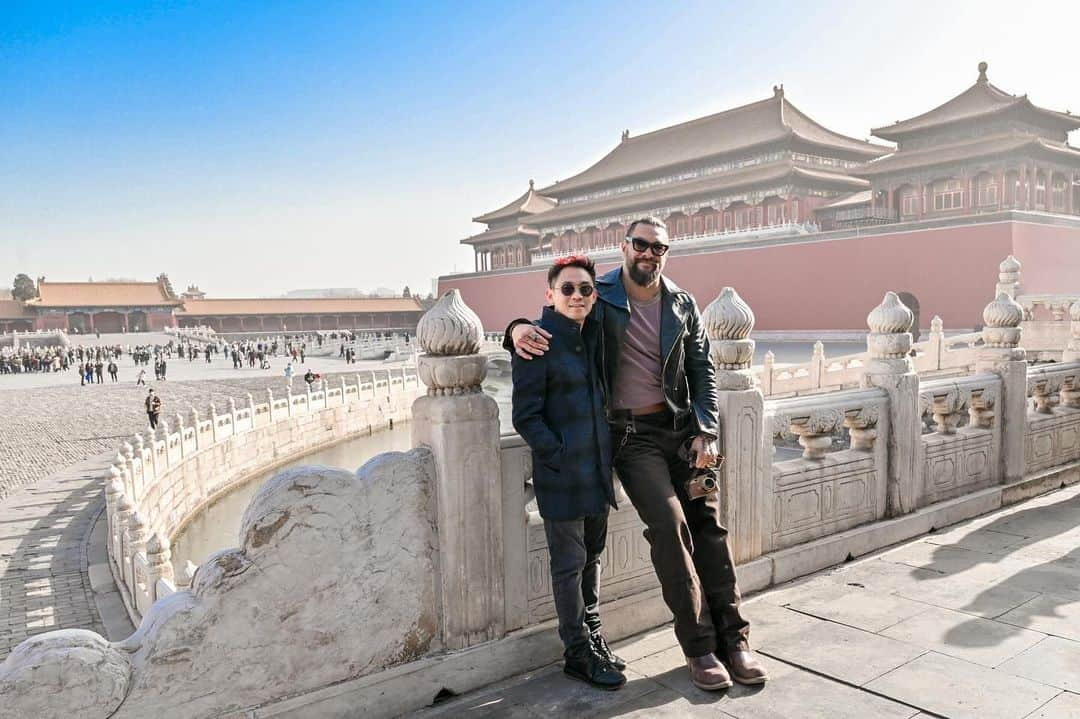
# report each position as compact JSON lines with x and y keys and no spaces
{"x":559,"y":324}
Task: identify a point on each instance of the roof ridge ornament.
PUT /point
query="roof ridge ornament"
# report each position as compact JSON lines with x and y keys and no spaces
{"x":778,"y":90}
{"x":982,"y":72}
{"x":625,"y":135}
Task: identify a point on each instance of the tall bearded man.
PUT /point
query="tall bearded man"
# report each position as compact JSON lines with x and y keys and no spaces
{"x":660,"y":392}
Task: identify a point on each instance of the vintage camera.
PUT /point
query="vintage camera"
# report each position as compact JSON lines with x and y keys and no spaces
{"x":704,"y":481}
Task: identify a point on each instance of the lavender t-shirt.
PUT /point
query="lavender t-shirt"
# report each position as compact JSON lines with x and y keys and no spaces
{"x":638,"y":381}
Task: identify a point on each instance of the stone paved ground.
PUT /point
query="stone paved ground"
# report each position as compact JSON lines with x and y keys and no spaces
{"x":979,"y":621}
{"x":55,"y":442}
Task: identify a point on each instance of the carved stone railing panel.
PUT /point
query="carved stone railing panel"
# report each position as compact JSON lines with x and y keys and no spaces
{"x":961,"y":452}
{"x":829,"y":488}
{"x":625,"y":564}
{"x":1053,"y":428}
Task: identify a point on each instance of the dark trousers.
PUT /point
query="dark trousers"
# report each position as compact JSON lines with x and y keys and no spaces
{"x":687,"y":542}
{"x":575,"y":547}
{"x":153,"y":417}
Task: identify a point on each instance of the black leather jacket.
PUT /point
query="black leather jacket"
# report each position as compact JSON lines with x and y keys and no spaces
{"x":689,"y":381}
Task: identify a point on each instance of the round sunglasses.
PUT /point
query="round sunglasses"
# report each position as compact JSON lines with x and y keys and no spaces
{"x":569,"y":288}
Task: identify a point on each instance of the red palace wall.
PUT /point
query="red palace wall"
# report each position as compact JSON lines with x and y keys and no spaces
{"x":832,"y":284}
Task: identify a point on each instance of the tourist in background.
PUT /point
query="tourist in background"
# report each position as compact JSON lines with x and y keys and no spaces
{"x":558,"y":408}
{"x":153,"y":408}
{"x":141,"y":379}
{"x":113,"y":370}
{"x":662,"y":412}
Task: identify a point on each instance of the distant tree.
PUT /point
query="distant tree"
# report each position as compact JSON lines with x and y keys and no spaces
{"x":23,"y":288}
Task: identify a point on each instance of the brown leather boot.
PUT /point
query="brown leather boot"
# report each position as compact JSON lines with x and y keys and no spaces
{"x":708,"y":673}
{"x":746,"y":668}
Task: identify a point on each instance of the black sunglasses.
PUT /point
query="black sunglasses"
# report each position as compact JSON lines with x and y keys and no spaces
{"x":658,"y":249}
{"x":569,"y":288}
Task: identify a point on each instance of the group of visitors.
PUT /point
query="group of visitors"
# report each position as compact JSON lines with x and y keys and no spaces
{"x":55,"y":359}
{"x":616,"y":375}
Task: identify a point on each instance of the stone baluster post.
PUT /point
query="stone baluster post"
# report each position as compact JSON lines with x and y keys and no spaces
{"x":232,"y":413}
{"x":195,"y":423}
{"x":936,"y":342}
{"x":213,"y":423}
{"x":128,"y":468}
{"x":143,"y":470}
{"x":343,"y":387}
{"x":1002,"y":354}
{"x":125,"y":510}
{"x":307,"y":389}
{"x":180,"y":431}
{"x":460,"y":425}
{"x":251,"y":409}
{"x":137,"y":535}
{"x":1008,"y":277}
{"x":817,"y":365}
{"x":890,"y":369}
{"x":1072,"y":350}
{"x":270,"y":404}
{"x":767,"y":368}
{"x":159,"y":566}
{"x":746,"y":471}
{"x":114,"y":490}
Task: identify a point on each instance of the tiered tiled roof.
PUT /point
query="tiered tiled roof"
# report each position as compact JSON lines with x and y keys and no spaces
{"x":747,"y":177}
{"x":979,"y":102}
{"x":732,"y":131}
{"x":967,"y":150}
{"x":530,"y":203}
{"x":502,"y":233}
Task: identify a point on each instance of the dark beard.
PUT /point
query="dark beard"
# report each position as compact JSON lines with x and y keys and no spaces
{"x":643,"y":278}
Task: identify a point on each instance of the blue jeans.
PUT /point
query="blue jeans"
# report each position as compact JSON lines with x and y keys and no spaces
{"x":575,"y":547}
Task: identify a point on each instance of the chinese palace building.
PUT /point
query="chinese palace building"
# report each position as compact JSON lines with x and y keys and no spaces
{"x":87,"y":307}
{"x":807,"y":224}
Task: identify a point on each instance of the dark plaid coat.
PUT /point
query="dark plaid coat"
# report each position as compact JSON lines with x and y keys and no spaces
{"x":558,"y":408}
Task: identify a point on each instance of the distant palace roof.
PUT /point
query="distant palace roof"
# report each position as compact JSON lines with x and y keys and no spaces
{"x":528,"y":204}
{"x":501,"y":233}
{"x":102,"y":294}
{"x":979,"y":101}
{"x":723,"y":133}
{"x":967,"y":150}
{"x":744,"y":177}
{"x":13,"y":310}
{"x":296,"y":306}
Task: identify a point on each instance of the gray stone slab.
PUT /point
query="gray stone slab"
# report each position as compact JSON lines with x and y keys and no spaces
{"x":947,"y":559}
{"x":957,"y":689}
{"x":1052,"y":661}
{"x":768,"y":621}
{"x":555,"y":694}
{"x":978,"y":640}
{"x":859,"y":608}
{"x":977,"y":539}
{"x":645,"y":644}
{"x":1063,"y":706}
{"x":1058,"y":578}
{"x":666,"y":704}
{"x":963,"y":595}
{"x":841,"y":652}
{"x":803,"y":695}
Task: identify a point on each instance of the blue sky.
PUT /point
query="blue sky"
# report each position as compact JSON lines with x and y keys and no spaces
{"x":256,"y":147}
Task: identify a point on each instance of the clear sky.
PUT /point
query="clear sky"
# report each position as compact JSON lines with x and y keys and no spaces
{"x":256,"y":147}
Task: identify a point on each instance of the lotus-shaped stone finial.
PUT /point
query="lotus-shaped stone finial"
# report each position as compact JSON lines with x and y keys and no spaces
{"x":1004,"y":311}
{"x":1074,"y":311}
{"x":450,"y":328}
{"x":890,"y":317}
{"x":1010,"y":265}
{"x":728,"y":317}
